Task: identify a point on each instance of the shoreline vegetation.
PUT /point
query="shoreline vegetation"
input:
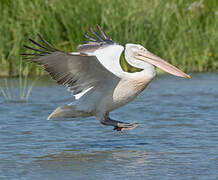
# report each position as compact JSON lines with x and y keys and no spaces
{"x":182,"y":32}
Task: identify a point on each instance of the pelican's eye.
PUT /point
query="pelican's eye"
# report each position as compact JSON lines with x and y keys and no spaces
{"x":142,"y":49}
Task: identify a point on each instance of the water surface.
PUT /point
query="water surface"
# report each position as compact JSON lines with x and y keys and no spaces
{"x":177,"y":137}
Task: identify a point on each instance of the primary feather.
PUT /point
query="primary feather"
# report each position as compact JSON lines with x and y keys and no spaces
{"x":76,"y":71}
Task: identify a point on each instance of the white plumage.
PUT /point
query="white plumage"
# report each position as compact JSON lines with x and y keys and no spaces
{"x":95,"y":77}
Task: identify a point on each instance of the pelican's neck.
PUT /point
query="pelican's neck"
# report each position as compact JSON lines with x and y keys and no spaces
{"x":149,"y":71}
{"x":109,"y":57}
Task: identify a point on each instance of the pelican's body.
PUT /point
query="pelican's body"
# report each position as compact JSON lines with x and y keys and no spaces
{"x":116,"y":94}
{"x":95,"y":77}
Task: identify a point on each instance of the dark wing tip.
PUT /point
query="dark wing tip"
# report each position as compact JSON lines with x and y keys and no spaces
{"x":51,"y":47}
{"x":99,"y":36}
{"x":103,"y":33}
{"x":96,"y":40}
{"x":90,"y":38}
{"x":96,"y":34}
{"x":40,"y":49}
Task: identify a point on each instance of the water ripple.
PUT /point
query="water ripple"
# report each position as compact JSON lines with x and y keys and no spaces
{"x":177,"y":136}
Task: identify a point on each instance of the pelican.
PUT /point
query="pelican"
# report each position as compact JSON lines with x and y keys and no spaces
{"x":95,"y":78}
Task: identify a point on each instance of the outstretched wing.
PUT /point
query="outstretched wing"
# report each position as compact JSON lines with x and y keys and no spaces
{"x":77,"y":71}
{"x":95,"y":42}
{"x":105,"y":49}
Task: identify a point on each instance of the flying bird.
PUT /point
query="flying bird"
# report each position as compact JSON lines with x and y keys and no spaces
{"x":95,"y":77}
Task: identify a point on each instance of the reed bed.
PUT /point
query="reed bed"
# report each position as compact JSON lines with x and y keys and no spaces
{"x":183,"y":32}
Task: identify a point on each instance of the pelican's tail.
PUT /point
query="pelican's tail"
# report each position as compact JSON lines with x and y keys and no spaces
{"x":68,"y":111}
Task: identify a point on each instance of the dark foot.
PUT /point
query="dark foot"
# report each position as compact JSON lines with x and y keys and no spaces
{"x":125,"y":126}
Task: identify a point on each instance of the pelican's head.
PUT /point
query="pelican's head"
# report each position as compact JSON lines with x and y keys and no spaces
{"x":136,"y":54}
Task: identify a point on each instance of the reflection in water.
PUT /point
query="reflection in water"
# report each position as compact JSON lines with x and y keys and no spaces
{"x":100,"y":162}
{"x":177,"y":136}
{"x":122,"y":157}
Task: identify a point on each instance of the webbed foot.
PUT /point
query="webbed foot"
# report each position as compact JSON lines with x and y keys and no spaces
{"x":125,"y":126}
{"x":118,"y":125}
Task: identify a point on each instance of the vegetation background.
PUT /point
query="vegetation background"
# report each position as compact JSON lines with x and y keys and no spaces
{"x":184,"y":32}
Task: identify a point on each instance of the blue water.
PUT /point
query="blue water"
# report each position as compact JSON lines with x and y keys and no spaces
{"x":177,"y":137}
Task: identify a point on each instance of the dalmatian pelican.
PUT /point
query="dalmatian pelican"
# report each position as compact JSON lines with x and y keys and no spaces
{"x":95,"y":77}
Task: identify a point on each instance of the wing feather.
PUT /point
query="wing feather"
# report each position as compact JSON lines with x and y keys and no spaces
{"x":96,"y":62}
{"x":76,"y":71}
{"x":99,"y":40}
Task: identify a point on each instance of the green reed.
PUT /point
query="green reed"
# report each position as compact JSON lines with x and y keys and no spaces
{"x":183,"y":32}
{"x":17,"y":90}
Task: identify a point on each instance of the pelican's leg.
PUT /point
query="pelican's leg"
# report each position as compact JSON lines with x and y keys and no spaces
{"x":118,"y":125}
